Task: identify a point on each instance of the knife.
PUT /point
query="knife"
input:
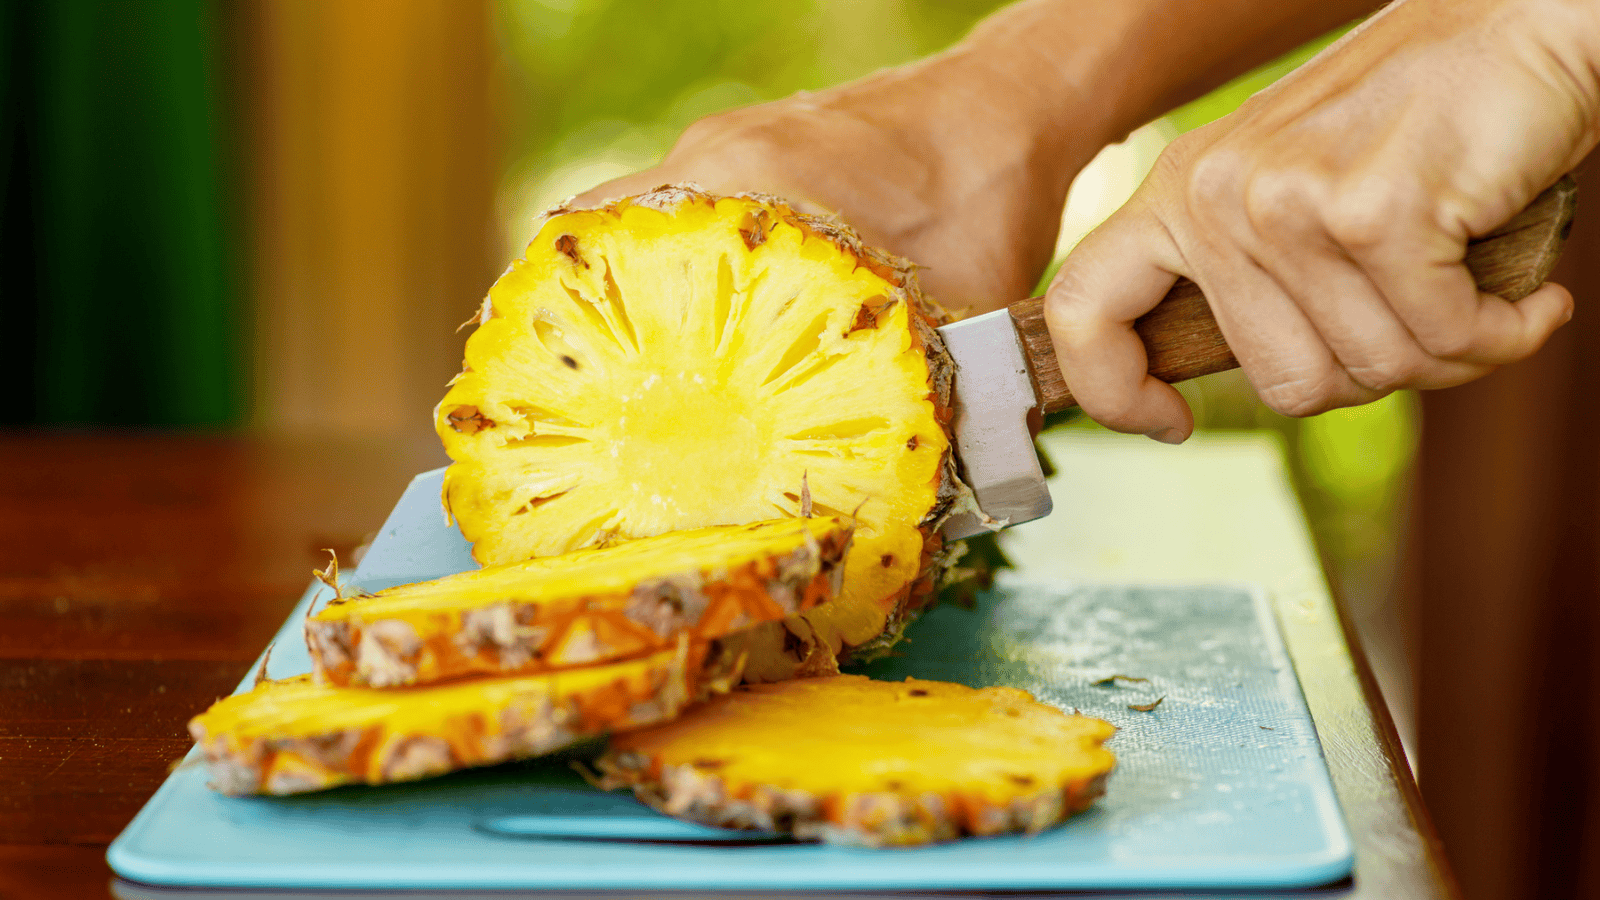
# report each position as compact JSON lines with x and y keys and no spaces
{"x":1007,"y":376}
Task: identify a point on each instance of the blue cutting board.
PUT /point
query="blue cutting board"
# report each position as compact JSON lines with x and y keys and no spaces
{"x":1222,"y":785}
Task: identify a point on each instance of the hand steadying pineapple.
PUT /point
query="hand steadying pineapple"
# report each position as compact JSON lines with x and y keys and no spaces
{"x":1326,"y":220}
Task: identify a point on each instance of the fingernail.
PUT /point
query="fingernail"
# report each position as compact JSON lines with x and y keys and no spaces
{"x":1167,"y":436}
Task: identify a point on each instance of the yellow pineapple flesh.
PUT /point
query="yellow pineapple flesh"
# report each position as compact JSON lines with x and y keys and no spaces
{"x":580,"y":608}
{"x":295,"y":735}
{"x":846,"y":759}
{"x":678,"y":360}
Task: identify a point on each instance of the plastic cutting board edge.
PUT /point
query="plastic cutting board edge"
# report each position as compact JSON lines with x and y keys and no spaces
{"x":1222,"y":785}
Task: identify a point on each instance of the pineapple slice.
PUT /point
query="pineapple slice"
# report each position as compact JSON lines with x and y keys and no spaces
{"x":291,"y":736}
{"x":580,"y":608}
{"x":849,"y":760}
{"x":677,"y":360}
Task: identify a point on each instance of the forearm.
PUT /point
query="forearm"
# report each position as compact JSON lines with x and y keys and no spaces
{"x":1040,"y":86}
{"x":1132,"y":60}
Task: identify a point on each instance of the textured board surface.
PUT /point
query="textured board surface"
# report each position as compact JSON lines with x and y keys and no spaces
{"x":1221,"y":785}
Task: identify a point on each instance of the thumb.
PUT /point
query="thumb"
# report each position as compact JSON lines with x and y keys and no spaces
{"x":1119,"y":272}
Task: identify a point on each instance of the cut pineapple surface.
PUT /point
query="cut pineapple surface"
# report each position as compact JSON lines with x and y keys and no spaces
{"x":583,"y":607}
{"x":295,"y":735}
{"x":677,"y":360}
{"x":846,"y":759}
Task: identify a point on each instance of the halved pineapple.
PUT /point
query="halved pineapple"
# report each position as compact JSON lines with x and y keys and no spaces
{"x":846,"y":759}
{"x":676,"y":360}
{"x":588,"y":606}
{"x":295,"y":735}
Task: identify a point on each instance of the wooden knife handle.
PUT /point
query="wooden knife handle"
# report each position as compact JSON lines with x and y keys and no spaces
{"x":1183,"y":341}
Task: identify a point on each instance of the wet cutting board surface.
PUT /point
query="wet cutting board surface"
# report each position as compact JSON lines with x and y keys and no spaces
{"x":1221,"y":785}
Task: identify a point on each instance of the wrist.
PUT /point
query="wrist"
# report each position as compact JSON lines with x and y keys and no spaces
{"x":1016,"y":109}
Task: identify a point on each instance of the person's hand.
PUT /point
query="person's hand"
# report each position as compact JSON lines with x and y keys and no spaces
{"x":1327,"y":219}
{"x":922,"y":161}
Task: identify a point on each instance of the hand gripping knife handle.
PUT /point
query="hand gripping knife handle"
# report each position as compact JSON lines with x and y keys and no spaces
{"x":1007,"y":373}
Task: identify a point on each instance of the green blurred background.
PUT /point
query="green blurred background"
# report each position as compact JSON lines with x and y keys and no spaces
{"x":119,"y":303}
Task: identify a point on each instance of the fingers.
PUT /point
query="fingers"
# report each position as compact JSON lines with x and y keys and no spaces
{"x":1311,"y":327}
{"x":1434,"y":294}
{"x":1116,"y":274}
{"x":1390,"y":295}
{"x":1284,"y":352}
{"x":1362,"y":331}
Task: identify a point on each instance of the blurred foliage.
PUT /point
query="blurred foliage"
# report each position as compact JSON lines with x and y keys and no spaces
{"x":118,"y":297}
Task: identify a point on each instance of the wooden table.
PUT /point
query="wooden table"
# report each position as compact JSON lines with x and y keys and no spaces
{"x":141,"y":574}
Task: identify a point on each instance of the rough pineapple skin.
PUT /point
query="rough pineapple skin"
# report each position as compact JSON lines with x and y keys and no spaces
{"x":847,"y":760}
{"x":614,"y":388}
{"x":294,"y":735}
{"x":581,"y":608}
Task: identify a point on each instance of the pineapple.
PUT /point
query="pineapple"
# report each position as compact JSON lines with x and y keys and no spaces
{"x":295,"y":735}
{"x":677,"y":360}
{"x":849,"y":760}
{"x":580,"y":608}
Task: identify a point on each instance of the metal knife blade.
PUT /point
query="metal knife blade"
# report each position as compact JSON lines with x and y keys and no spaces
{"x":994,"y":398}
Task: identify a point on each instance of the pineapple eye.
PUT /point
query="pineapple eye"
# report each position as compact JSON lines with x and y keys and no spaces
{"x":567,"y":245}
{"x":868,"y":316}
{"x":468,"y":420}
{"x":753,"y":228}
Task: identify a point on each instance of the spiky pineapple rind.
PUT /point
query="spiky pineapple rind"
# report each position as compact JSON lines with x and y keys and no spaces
{"x":891,"y":764}
{"x":564,"y":249}
{"x":857,"y":819}
{"x":356,"y":644}
{"x":426,"y":734}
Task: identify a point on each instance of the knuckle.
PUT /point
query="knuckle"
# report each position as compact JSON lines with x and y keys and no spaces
{"x":1358,"y":224}
{"x":1389,"y":373}
{"x":1447,"y":340}
{"x":1216,"y":182}
{"x":1279,"y":201}
{"x":1372,"y":213}
{"x":1303,"y":395}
